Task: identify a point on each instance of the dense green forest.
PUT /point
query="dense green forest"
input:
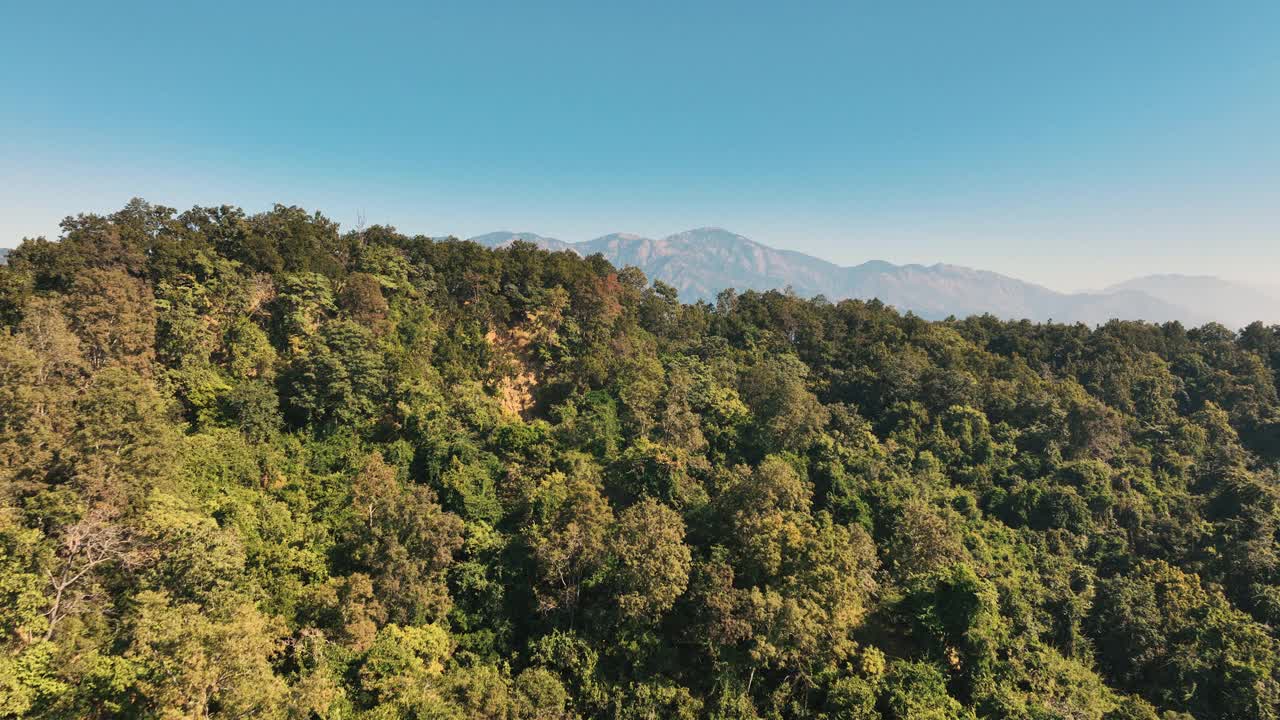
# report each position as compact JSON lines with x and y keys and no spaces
{"x":254,"y":466}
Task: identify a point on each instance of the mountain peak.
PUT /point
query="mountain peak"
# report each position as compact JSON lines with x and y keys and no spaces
{"x":619,"y":236}
{"x":710,"y":231}
{"x":507,"y":236}
{"x":504,"y":238}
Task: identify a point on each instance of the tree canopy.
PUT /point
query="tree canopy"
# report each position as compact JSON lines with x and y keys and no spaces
{"x":257,"y":466}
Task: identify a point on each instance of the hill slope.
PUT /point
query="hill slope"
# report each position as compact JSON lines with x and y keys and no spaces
{"x":253,"y":467}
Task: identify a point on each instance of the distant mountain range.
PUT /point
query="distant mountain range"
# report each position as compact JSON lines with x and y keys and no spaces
{"x":1228,"y":303}
{"x":700,"y":263}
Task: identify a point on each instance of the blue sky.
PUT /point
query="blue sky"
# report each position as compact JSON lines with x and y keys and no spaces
{"x":1072,"y":144}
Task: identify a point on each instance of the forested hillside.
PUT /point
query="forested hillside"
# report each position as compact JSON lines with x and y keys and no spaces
{"x":254,"y":466}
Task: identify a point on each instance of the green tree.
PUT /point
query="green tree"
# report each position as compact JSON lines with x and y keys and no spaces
{"x":204,"y":661}
{"x":652,"y":559}
{"x":405,"y":542}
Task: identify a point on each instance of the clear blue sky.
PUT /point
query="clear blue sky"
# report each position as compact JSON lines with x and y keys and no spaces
{"x":1069,"y":143}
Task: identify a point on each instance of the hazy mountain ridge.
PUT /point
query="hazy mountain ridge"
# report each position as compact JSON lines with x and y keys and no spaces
{"x":1229,"y":303}
{"x":505,"y":238}
{"x":701,"y":262}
